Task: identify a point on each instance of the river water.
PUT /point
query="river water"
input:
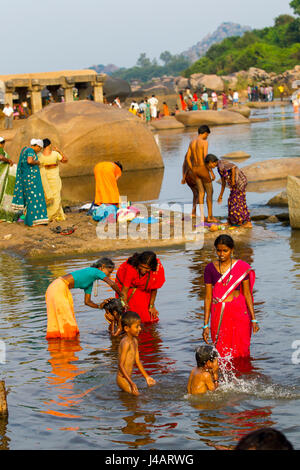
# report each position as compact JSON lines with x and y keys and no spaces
{"x":63,"y":395}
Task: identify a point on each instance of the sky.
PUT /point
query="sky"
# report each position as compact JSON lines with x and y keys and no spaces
{"x":52,"y":35}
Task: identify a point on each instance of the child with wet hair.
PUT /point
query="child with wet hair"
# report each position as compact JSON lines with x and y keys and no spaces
{"x":204,"y":376}
{"x":114,"y":309}
{"x":129,"y":354}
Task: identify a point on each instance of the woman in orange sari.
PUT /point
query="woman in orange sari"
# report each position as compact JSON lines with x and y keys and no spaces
{"x":139,"y":278}
{"x":60,"y":308}
{"x":106,"y":177}
{"x":228,"y":300}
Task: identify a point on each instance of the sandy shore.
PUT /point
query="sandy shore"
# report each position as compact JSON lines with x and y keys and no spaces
{"x":42,"y":242}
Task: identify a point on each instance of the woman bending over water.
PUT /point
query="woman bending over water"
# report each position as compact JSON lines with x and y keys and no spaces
{"x":238,"y":212}
{"x":139,"y":278}
{"x":60,"y":308}
{"x":228,"y":300}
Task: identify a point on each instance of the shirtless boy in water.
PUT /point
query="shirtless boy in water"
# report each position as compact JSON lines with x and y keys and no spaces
{"x":196,"y":175}
{"x":129,"y":354}
{"x":204,"y":377}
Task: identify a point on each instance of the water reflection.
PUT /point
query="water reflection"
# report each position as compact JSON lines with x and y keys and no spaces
{"x":144,"y":426}
{"x":142,"y":185}
{"x":11,"y":270}
{"x":63,"y":372}
{"x":229,"y":426}
{"x":266,"y":186}
{"x":295,"y":257}
{"x":4,"y":439}
{"x":138,"y":424}
{"x":152,"y":351}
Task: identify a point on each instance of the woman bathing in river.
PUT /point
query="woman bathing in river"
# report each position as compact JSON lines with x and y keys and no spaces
{"x":228,"y":301}
{"x":60,"y":308}
{"x":238,"y":212}
{"x":139,"y":278}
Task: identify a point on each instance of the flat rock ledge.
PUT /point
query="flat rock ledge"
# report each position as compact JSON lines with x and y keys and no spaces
{"x":41,"y":242}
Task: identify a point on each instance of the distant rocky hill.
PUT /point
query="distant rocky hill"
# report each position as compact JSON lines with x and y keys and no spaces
{"x":224,"y":31}
{"x":108,"y":69}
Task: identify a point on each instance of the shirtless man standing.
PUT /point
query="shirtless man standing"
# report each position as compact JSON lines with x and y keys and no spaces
{"x":196,"y":175}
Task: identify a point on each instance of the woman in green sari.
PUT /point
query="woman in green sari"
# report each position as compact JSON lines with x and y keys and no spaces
{"x":7,"y":184}
{"x":29,"y":193}
{"x":147,"y":111}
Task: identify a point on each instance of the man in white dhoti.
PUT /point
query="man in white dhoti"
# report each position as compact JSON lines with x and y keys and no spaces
{"x":153,"y":106}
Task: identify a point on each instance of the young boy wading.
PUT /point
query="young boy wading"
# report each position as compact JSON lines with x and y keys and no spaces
{"x":196,"y":175}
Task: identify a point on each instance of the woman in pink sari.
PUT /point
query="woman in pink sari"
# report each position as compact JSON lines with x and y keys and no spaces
{"x":228,"y":300}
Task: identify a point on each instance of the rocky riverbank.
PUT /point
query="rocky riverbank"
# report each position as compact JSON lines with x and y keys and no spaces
{"x":167,"y":85}
{"x":41,"y":242}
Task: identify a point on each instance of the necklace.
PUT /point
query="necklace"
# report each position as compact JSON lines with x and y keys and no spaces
{"x":229,"y":277}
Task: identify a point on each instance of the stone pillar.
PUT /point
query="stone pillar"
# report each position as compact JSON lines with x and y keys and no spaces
{"x":68,"y":88}
{"x":9,"y":91}
{"x":98,"y":88}
{"x":36,"y":96}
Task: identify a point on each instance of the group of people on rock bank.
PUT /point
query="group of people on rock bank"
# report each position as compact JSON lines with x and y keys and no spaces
{"x":148,"y":109}
{"x":15,"y":112}
{"x":31,"y":190}
{"x":261,"y":92}
{"x":193,"y":101}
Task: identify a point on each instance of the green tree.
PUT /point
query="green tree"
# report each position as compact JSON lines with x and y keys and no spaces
{"x":284,"y":19}
{"x":166,"y":57}
{"x":143,"y":60}
{"x":295,"y":5}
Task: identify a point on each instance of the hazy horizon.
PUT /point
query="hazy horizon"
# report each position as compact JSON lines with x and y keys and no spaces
{"x":69,"y":35}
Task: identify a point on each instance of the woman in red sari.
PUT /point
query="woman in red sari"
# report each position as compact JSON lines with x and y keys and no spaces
{"x":228,"y":299}
{"x":182,"y":102}
{"x":139,"y":278}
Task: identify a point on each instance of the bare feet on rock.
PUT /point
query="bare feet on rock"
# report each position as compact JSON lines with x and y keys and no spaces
{"x":211,"y":219}
{"x":247,"y":225}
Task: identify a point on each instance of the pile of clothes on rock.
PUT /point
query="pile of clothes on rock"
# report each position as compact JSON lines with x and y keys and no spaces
{"x":110,"y":213}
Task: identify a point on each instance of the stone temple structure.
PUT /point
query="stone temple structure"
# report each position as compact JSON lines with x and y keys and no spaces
{"x":63,"y":83}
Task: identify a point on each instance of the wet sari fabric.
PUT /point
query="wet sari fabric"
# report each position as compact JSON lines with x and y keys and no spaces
{"x":238,"y":212}
{"x":140,"y":288}
{"x":231,"y":321}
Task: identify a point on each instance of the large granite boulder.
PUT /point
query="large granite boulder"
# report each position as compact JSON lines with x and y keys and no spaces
{"x":211,"y":82}
{"x":166,"y":123}
{"x":211,"y":118}
{"x":230,"y":80}
{"x":181,"y":83}
{"x":237,"y":155}
{"x":255,"y":74}
{"x":243,"y":110}
{"x":88,"y":133}
{"x":293,"y":192}
{"x":114,"y":87}
{"x":280,"y":199}
{"x":274,"y":169}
